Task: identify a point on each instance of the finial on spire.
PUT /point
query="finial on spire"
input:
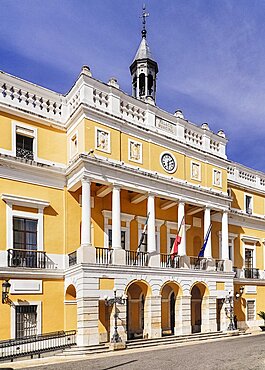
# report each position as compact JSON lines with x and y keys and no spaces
{"x":144,"y":16}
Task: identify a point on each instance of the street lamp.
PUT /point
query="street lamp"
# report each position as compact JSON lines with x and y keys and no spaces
{"x":229,"y":311}
{"x":5,"y":291}
{"x":110,"y":302}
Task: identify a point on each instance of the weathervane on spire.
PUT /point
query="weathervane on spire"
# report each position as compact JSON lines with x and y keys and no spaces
{"x":144,"y":16}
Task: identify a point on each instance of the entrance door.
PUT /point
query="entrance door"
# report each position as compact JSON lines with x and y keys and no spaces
{"x":172,"y":312}
{"x":196,"y":303}
{"x":219,"y":305}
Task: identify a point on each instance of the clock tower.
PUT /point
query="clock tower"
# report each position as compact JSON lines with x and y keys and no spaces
{"x":144,"y":68}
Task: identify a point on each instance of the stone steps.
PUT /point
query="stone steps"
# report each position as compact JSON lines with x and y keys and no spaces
{"x":86,"y":350}
{"x":173,"y":339}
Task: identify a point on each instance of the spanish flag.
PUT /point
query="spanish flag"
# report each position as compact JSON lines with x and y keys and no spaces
{"x":175,"y":247}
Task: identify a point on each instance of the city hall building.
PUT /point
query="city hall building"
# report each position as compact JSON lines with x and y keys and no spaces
{"x":80,"y":172}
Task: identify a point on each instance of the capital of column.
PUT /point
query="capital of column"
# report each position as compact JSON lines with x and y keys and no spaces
{"x":86,"y":179}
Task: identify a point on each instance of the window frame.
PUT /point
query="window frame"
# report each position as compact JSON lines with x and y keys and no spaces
{"x":13,"y":316}
{"x":255,"y":313}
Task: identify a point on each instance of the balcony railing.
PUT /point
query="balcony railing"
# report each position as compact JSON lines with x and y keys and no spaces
{"x":72,"y":258}
{"x":24,"y":153}
{"x":26,"y":258}
{"x":104,"y":256}
{"x":37,"y":344}
{"x":198,"y":263}
{"x":251,"y":273}
{"x":219,"y":265}
{"x":166,"y":260}
{"x":134,"y":258}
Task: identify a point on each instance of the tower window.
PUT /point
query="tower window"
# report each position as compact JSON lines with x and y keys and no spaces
{"x":134,"y":86}
{"x":142,"y":84}
{"x":150,"y":85}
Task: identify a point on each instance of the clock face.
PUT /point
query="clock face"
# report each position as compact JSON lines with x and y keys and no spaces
{"x":168,"y":162}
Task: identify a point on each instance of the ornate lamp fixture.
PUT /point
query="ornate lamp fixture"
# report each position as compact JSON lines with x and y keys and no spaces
{"x":110,"y":302}
{"x":5,"y":291}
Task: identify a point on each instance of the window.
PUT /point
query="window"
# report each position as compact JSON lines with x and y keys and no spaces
{"x":248,"y":204}
{"x":123,"y":238}
{"x":25,"y":244}
{"x":250,"y":310}
{"x":26,"y":321}
{"x":73,"y":145}
{"x":24,"y":233}
{"x":248,"y":258}
{"x":24,"y":147}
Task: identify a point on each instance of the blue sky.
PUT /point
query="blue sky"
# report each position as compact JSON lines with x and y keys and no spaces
{"x":210,"y":54}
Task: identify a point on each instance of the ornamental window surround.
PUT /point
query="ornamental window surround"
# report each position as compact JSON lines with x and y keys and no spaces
{"x":12,"y":214}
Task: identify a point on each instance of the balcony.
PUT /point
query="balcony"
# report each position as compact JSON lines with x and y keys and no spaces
{"x":251,"y":273}
{"x":134,"y":258}
{"x":104,"y":256}
{"x":166,"y":260}
{"x":24,"y":153}
{"x":26,"y":258}
{"x":248,"y":273}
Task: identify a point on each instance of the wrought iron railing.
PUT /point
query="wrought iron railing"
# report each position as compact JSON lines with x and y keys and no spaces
{"x":134,"y":258}
{"x":26,"y":258}
{"x":251,"y":273}
{"x":24,"y":153}
{"x":104,"y":256}
{"x":72,"y":258}
{"x":167,"y":260}
{"x":198,"y":263}
{"x":36,"y":344}
{"x":219,"y":265}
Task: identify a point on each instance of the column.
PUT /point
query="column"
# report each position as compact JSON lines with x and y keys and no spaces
{"x":186,"y":314}
{"x":181,"y":214}
{"x":225,"y":249}
{"x":151,"y":231}
{"x":207,"y":222}
{"x":86,"y":213}
{"x":116,"y":218}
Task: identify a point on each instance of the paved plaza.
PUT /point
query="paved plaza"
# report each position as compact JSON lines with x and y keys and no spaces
{"x":230,"y":354}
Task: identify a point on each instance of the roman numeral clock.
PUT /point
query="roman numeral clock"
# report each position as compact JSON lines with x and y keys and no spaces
{"x":168,"y":162}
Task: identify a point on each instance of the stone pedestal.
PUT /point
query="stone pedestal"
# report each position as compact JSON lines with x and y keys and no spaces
{"x":228,"y":266}
{"x":119,"y":257}
{"x":184,"y":262}
{"x":154,"y":259}
{"x":86,"y":254}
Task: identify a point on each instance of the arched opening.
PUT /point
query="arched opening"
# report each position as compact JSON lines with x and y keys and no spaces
{"x":142,"y":84}
{"x":134,"y":85}
{"x":169,"y":294}
{"x":197,"y":293}
{"x":136,"y":309}
{"x":150,"y":85}
{"x":70,"y":308}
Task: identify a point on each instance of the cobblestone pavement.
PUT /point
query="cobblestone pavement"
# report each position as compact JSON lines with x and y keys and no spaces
{"x":241,"y":353}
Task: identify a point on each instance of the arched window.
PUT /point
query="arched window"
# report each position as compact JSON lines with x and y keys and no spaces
{"x":150,"y":85}
{"x":142,"y":84}
{"x":134,"y":85}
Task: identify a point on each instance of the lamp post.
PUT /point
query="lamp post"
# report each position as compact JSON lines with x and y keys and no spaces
{"x":5,"y":291}
{"x":229,"y":311}
{"x":110,"y":302}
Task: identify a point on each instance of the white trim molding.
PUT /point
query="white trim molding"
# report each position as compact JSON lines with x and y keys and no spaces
{"x":17,"y":200}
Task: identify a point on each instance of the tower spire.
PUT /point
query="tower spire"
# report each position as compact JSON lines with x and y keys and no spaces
{"x":144,"y":16}
{"x":144,"y":68}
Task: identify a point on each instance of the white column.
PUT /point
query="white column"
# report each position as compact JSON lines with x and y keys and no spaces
{"x":151,"y":230}
{"x":116,"y":218}
{"x":181,"y":214}
{"x":86,"y":213}
{"x":207,"y":221}
{"x":225,"y":250}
